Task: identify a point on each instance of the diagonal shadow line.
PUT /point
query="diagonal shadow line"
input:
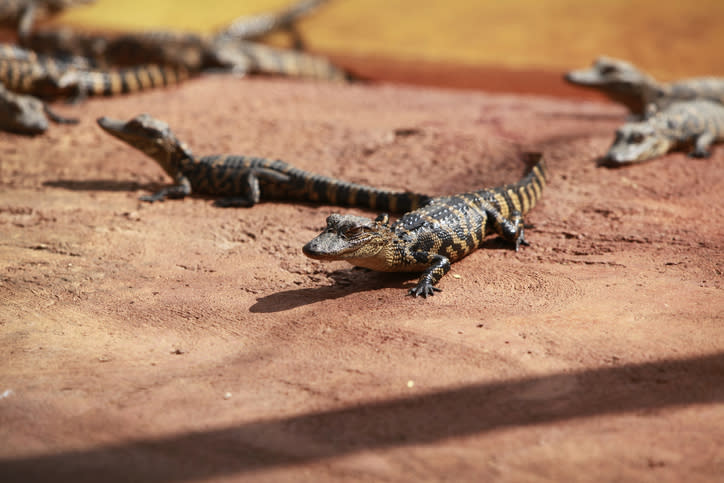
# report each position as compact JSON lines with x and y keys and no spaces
{"x":419,"y":419}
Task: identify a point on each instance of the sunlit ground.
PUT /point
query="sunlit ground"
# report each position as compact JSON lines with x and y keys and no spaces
{"x":671,"y":38}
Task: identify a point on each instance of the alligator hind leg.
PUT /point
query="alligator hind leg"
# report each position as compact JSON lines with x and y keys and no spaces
{"x":702,"y":145}
{"x":511,"y":228}
{"x":250,"y":186}
{"x":181,"y":189}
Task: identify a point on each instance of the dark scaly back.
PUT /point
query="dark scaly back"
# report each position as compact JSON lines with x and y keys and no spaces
{"x":456,"y":225}
{"x":221,"y":176}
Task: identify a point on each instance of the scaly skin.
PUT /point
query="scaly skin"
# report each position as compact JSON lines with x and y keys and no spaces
{"x":25,"y":72}
{"x":622,"y":82}
{"x":434,"y":236}
{"x":26,"y":114}
{"x":242,"y":180}
{"x":257,"y":26}
{"x":699,"y":123}
{"x":22,"y":13}
{"x":228,"y":50}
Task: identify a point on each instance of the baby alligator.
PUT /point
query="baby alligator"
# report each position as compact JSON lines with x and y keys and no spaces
{"x":624,"y":83}
{"x":26,"y":114}
{"x":242,"y":180}
{"x":432,"y":237}
{"x":700,"y":123}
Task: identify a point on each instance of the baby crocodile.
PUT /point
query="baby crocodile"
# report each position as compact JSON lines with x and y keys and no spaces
{"x":26,"y":114}
{"x":242,"y":180}
{"x":698,"y":122}
{"x":432,"y":237}
{"x":624,"y":83}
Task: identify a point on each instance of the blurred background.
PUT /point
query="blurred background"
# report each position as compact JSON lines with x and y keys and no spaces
{"x":512,"y":45}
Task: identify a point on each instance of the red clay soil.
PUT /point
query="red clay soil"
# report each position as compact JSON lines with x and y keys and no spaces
{"x":182,"y":342}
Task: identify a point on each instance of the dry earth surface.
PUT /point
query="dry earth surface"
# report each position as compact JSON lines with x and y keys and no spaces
{"x":182,"y":342}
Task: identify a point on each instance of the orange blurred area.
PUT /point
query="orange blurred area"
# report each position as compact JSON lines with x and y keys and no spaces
{"x":453,"y":42}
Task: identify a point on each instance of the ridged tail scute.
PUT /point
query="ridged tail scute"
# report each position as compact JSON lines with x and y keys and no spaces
{"x":523,"y":195}
{"x":126,"y":81}
{"x":324,"y":189}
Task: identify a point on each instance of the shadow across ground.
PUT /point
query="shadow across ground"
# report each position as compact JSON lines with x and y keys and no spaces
{"x":406,"y":421}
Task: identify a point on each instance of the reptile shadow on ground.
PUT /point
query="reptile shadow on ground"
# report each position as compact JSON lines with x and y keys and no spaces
{"x":346,"y":282}
{"x":101,"y":185}
{"x":353,"y":280}
{"x":458,"y":412}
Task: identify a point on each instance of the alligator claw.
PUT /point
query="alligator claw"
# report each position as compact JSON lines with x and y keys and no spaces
{"x":152,"y":198}
{"x":699,"y":153}
{"x":424,"y":289}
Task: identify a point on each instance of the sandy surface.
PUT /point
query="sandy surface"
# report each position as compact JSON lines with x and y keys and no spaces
{"x":182,"y":342}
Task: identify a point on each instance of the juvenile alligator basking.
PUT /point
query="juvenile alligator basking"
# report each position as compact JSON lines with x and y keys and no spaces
{"x":622,"y":82}
{"x":25,"y":72}
{"x":699,"y":123}
{"x":256,"y":26}
{"x":26,"y":114}
{"x":242,"y":180}
{"x":228,"y":50}
{"x":21,"y":14}
{"x":432,"y":237}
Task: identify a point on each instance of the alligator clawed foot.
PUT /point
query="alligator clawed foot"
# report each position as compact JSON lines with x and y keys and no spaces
{"x":699,"y":153}
{"x":424,"y":289}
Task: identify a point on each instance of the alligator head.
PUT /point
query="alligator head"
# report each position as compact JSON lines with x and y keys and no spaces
{"x":358,"y":240}
{"x":636,"y":142}
{"x":152,"y":137}
{"x":619,"y":80}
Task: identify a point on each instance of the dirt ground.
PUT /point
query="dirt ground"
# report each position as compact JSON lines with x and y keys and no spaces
{"x":182,"y":342}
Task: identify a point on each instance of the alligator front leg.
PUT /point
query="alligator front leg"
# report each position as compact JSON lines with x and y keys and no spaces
{"x":181,"y":189}
{"x":25,"y":25}
{"x":702,"y":145}
{"x":57,"y":118}
{"x":439,"y":266}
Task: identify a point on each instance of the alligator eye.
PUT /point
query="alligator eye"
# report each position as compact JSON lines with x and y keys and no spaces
{"x":355,"y":232}
{"x":636,"y":138}
{"x":608,"y":70}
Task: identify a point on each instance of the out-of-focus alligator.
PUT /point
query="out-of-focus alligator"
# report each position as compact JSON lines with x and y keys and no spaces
{"x":26,"y":114}
{"x":699,"y":123}
{"x":21,"y":14}
{"x":622,"y":82}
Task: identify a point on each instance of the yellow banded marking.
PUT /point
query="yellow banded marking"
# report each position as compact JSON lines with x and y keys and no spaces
{"x":501,"y":203}
{"x":332,"y":193}
{"x":524,"y":202}
{"x":154,"y":73}
{"x":373,"y":199}
{"x":352,"y":197}
{"x":130,"y":80}
{"x":309,"y":188}
{"x":536,"y":187}
{"x":116,"y":83}
{"x":392,"y":201}
{"x":514,"y":198}
{"x":144,"y":80}
{"x":531,"y":196}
